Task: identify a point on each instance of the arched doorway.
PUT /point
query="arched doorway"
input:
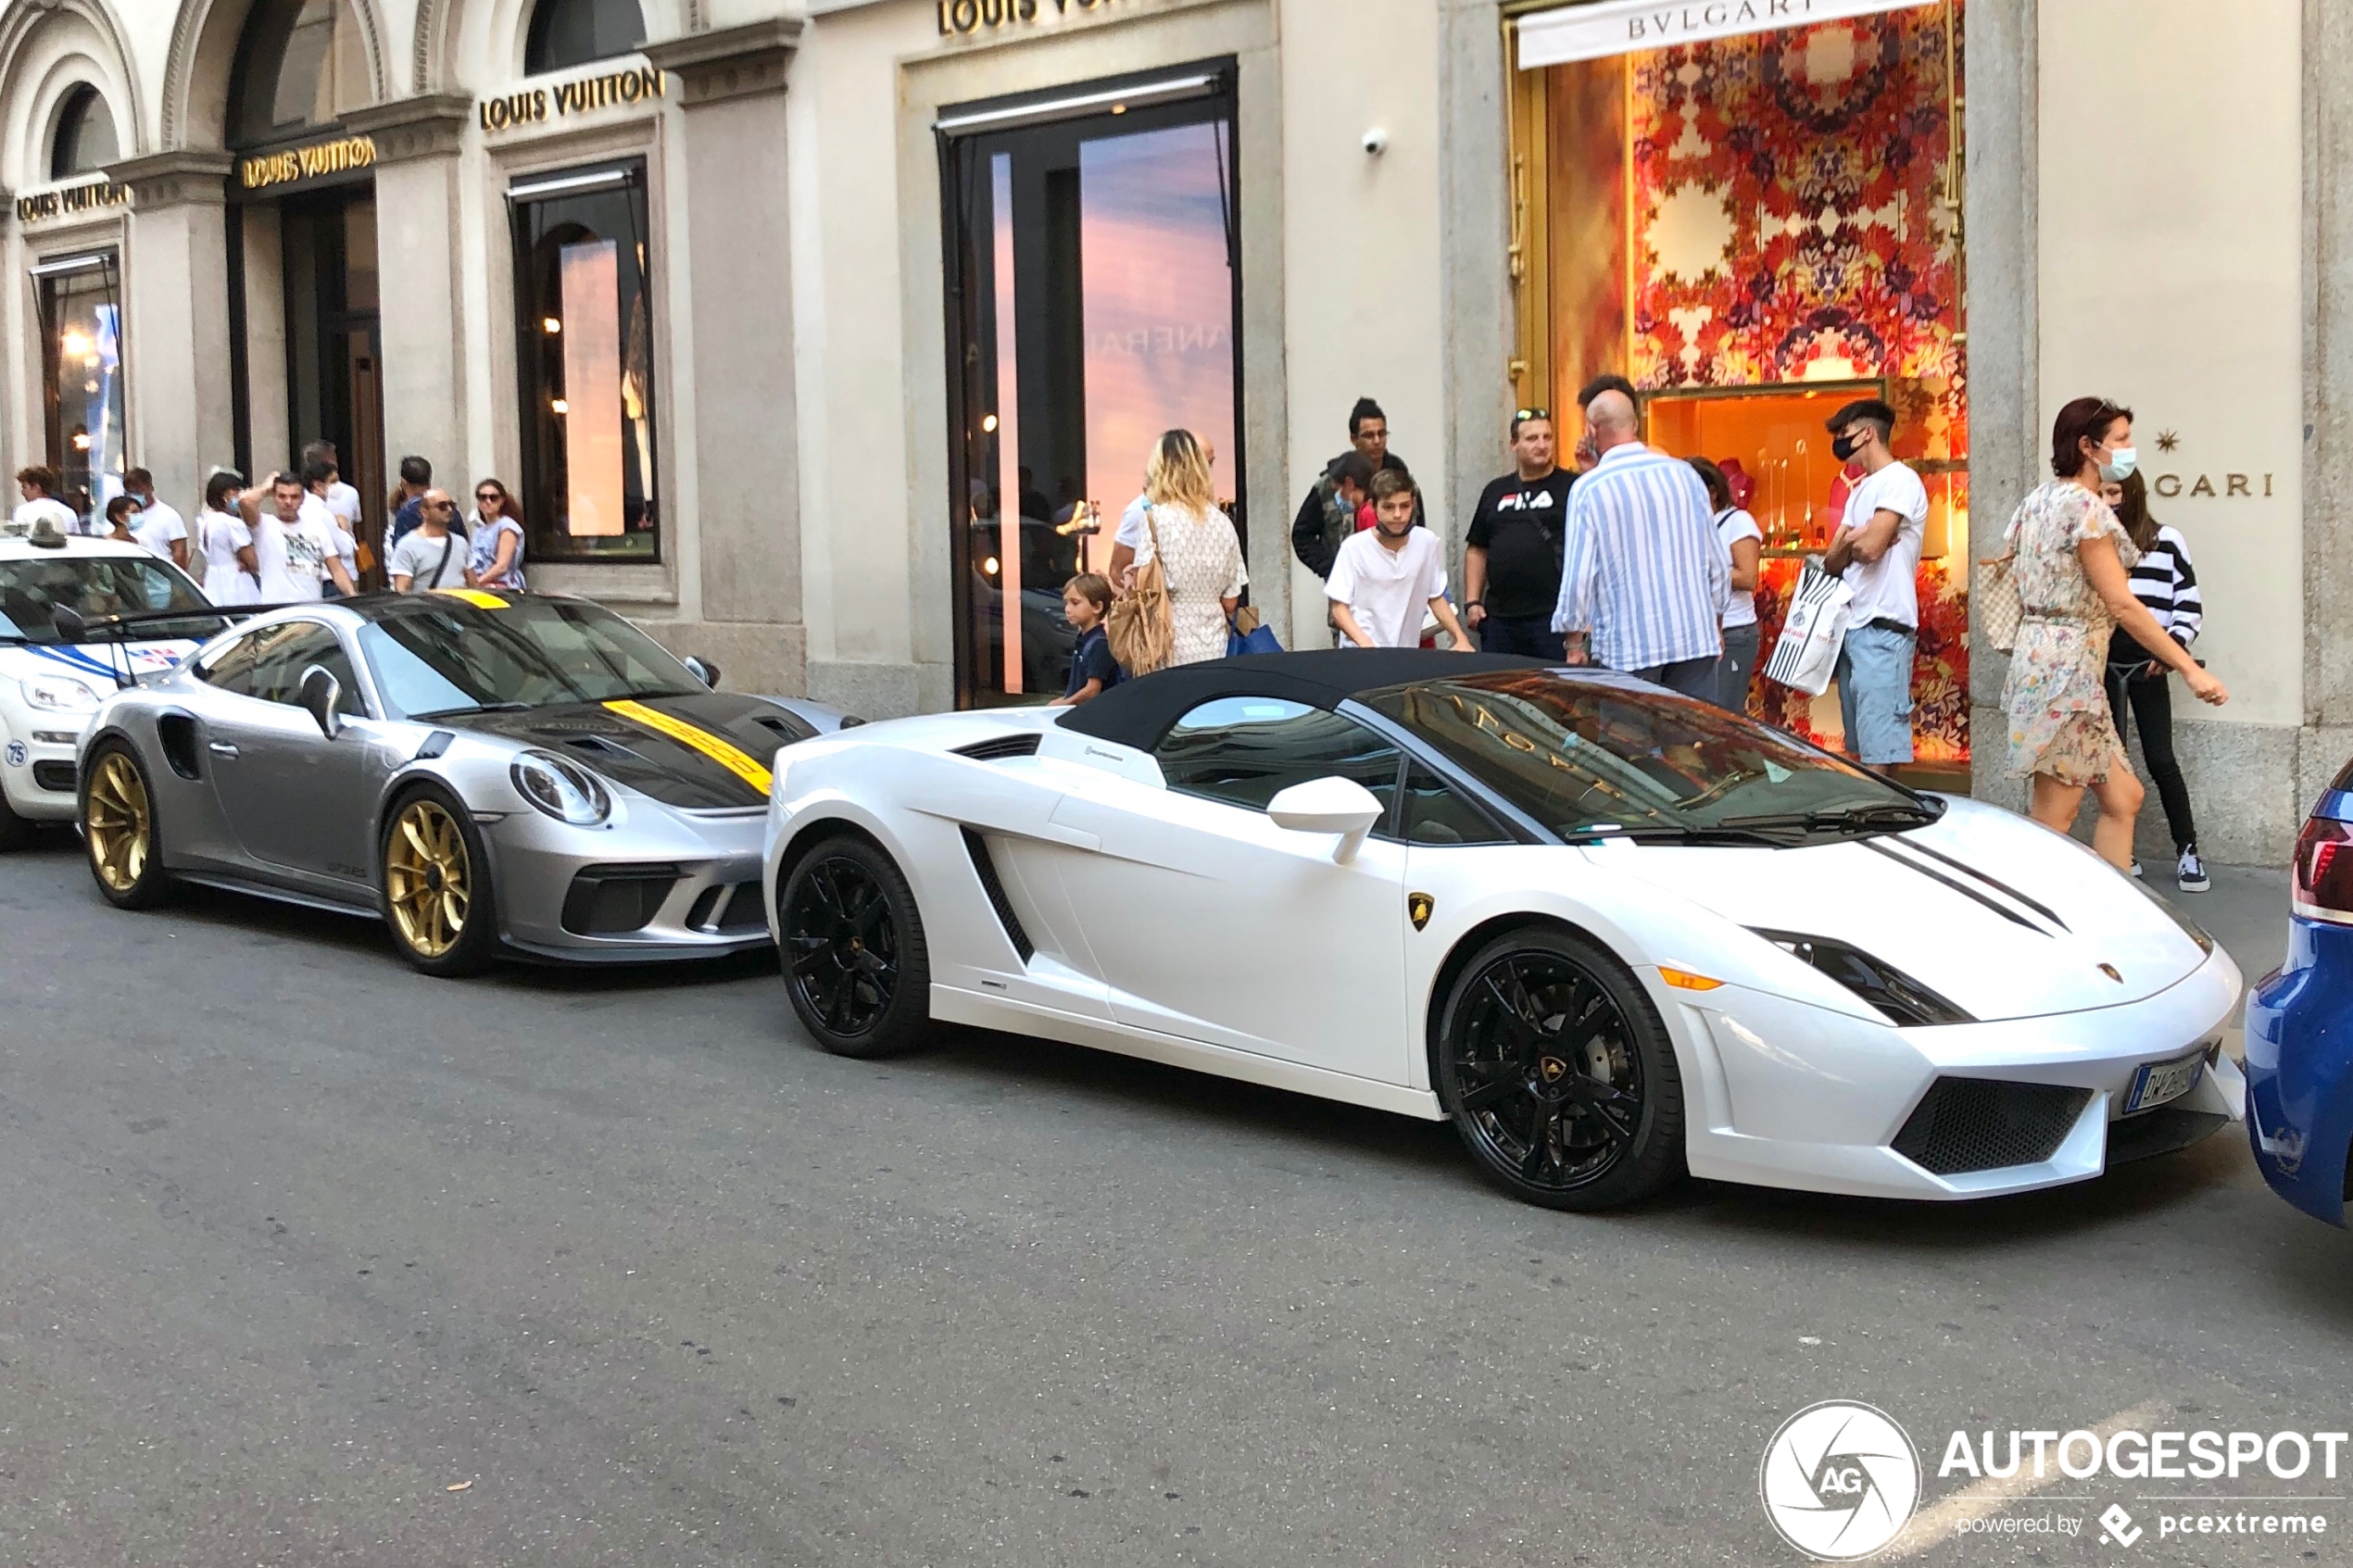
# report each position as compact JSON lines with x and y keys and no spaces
{"x":305,"y":341}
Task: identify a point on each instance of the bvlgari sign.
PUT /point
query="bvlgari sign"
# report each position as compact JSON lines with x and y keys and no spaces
{"x":1622,"y":27}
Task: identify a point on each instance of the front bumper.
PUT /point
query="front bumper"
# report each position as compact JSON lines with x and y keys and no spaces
{"x":2299,"y":1069}
{"x":37,"y":763}
{"x":653,"y":884}
{"x":1790,"y":1094}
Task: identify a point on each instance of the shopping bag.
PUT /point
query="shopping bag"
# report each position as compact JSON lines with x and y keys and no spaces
{"x":1142,"y":624}
{"x":1807,"y":653}
{"x":1247,"y":634}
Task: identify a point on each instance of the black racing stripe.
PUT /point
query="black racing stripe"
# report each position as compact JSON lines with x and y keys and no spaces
{"x":1964,"y":890}
{"x":2002,"y":887}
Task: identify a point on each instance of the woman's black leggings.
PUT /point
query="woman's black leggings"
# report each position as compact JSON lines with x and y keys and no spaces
{"x":2152,"y":699}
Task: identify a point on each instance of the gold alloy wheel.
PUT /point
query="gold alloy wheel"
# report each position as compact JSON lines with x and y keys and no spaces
{"x":428,"y":879}
{"x":118,"y":823}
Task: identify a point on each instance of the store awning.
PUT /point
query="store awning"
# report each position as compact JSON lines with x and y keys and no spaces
{"x":1623,"y":27}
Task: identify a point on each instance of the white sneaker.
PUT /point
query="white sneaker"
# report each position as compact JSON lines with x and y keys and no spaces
{"x":2137,"y":874}
{"x":2190,"y":876}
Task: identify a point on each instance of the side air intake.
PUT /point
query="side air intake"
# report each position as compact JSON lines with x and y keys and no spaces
{"x":985,"y":866}
{"x":1964,"y":1124}
{"x":998,"y":749}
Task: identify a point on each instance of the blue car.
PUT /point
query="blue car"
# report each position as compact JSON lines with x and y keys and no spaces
{"x":2299,"y":1023}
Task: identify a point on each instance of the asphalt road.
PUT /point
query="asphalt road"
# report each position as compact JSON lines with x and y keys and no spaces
{"x":292,"y":1243}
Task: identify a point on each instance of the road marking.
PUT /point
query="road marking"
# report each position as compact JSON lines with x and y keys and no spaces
{"x":1932,"y":1527}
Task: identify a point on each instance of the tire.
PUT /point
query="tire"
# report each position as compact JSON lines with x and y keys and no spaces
{"x":120,"y":838}
{"x":852,"y":950}
{"x":1559,"y":1074}
{"x":15,"y":831}
{"x":434,"y":889}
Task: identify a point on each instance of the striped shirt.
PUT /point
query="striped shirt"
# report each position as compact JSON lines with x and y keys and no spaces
{"x":1644,"y":570}
{"x":2164,"y":580}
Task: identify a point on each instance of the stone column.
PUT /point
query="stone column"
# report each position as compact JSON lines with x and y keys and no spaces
{"x":422,"y":328}
{"x":175,"y":330}
{"x":2001,"y":200}
{"x":2327,"y":739}
{"x":735,"y":423}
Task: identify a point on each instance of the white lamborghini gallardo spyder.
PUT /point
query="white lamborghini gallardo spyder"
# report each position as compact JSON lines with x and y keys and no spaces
{"x":1614,"y":935}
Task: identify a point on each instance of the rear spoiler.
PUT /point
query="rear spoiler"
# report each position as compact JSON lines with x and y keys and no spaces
{"x":74,"y":627}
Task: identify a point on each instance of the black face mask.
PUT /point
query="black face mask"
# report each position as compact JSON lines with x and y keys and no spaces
{"x":1844,"y":447}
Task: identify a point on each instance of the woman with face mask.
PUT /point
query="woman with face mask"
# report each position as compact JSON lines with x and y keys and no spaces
{"x":2069,"y":558}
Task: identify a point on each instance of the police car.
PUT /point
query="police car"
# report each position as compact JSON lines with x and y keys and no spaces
{"x":51,"y":681}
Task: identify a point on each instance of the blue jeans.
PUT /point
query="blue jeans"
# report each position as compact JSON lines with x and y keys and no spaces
{"x":1531,"y":636}
{"x":1875,"y":693}
{"x":1739,"y":660}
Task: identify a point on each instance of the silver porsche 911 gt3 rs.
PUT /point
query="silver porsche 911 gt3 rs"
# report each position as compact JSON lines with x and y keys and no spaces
{"x":485,"y":770}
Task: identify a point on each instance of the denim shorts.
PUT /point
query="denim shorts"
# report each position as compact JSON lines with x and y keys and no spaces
{"x":1875,"y":693}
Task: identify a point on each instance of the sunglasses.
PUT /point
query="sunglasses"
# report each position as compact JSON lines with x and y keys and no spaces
{"x":489,"y":495}
{"x":1533,"y":414}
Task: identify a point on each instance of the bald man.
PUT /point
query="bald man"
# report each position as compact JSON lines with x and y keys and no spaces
{"x":1645,"y":578}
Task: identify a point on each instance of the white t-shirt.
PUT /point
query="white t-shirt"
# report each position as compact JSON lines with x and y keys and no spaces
{"x":317,"y":510}
{"x":344,"y":501}
{"x":158,"y":527}
{"x":1389,"y":590}
{"x":1132,"y":529}
{"x":219,"y":536}
{"x":57,"y":511}
{"x":1887,"y":589}
{"x":416,"y":555}
{"x":293,"y":556}
{"x":1732,"y":527}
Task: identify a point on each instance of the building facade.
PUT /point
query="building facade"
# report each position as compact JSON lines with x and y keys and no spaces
{"x":827,"y":338}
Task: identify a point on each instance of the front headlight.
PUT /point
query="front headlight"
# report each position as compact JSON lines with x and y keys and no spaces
{"x":58,"y":693}
{"x":1901,"y":1000}
{"x":560,"y":788}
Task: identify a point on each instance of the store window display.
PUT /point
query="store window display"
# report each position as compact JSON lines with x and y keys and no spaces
{"x":1758,"y":229}
{"x":80,"y":303}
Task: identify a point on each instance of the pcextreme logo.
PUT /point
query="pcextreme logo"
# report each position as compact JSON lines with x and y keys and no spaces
{"x":1840,"y":1480}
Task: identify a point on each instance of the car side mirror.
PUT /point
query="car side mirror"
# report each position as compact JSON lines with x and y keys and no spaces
{"x":702,"y":670}
{"x":1332,"y":805}
{"x":321,"y":695}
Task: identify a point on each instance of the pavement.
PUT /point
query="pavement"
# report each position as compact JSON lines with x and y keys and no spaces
{"x":308,"y":1261}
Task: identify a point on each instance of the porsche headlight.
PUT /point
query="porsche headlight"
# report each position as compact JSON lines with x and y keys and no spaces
{"x":1900,"y":998}
{"x":58,"y":693}
{"x":560,"y":788}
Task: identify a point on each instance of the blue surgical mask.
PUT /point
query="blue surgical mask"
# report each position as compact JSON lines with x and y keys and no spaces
{"x":2119,"y":465}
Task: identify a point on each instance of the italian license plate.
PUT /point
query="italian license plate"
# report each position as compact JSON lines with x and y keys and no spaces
{"x":2161,"y":1081}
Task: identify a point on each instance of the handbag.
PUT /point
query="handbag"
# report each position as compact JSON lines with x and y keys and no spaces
{"x":1142,"y":624}
{"x":1806,"y":655}
{"x":1247,"y":634}
{"x":1999,"y":609}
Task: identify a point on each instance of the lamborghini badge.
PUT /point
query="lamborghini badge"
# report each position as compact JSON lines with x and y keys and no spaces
{"x":1418,"y":907}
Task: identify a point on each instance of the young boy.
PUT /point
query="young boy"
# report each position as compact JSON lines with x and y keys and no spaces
{"x":1086,"y":601}
{"x":1383,"y":580}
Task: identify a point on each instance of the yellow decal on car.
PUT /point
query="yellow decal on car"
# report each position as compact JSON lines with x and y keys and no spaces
{"x":737,"y":762}
{"x":475,"y":598}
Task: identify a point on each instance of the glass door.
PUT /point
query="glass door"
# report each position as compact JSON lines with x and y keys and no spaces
{"x":1093,"y":297}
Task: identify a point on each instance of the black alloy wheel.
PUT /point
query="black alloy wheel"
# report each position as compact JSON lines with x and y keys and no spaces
{"x":853,"y":955}
{"x":1559,"y":1075}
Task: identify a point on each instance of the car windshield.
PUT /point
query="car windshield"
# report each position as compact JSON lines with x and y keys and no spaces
{"x":436,"y":653}
{"x":32,"y":592}
{"x":1593,"y":758}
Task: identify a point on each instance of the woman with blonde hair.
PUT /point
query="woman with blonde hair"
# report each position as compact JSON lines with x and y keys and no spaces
{"x":1200,"y":555}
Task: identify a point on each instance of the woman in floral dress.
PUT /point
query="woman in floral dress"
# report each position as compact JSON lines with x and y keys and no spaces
{"x":2071,"y":559}
{"x":1196,"y":546}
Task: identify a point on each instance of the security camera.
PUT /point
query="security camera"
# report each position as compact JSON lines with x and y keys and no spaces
{"x":1375,"y":142}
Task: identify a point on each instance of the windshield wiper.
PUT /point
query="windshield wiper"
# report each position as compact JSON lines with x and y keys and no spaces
{"x":1851,"y":819}
{"x":477,"y":708}
{"x":1718,"y":833}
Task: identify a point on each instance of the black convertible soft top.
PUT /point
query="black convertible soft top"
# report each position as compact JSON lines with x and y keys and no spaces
{"x":1139,"y":712}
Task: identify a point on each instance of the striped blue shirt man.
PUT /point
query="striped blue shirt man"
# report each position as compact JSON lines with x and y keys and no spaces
{"x":1643,"y":571}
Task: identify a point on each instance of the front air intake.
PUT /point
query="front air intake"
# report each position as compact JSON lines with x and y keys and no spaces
{"x":1965,"y":1125}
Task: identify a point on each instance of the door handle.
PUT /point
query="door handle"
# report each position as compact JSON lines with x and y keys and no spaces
{"x":223,"y":748}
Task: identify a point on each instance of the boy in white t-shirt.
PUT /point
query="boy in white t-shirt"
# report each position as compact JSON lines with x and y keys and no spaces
{"x":1385,"y":578}
{"x":1877,"y":550}
{"x":39,"y":486}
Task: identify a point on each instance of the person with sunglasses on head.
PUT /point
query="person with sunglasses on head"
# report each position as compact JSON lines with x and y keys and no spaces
{"x":1512,"y":554}
{"x":494,"y":537}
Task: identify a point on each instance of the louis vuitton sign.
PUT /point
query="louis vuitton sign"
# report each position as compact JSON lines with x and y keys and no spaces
{"x":962,"y":19}
{"x":344,"y":154}
{"x":41,"y":206}
{"x":565,"y":100}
